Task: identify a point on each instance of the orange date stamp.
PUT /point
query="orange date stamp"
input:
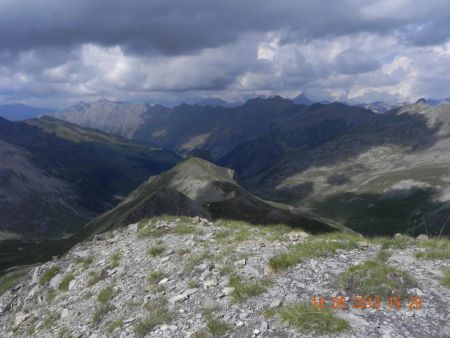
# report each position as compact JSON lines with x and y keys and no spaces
{"x":367,"y":302}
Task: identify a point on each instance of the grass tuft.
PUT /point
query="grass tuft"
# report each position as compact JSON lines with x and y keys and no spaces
{"x":157,"y":315}
{"x":217,"y":327}
{"x":100,"y":311}
{"x":156,"y":276}
{"x":183,"y":229}
{"x":376,"y":278}
{"x":85,"y":262}
{"x":398,"y":242}
{"x":312,"y":319}
{"x":315,"y":246}
{"x":436,"y":248}
{"x":244,"y":290}
{"x":156,"y":250}
{"x":106,"y":294}
{"x":95,"y":277}
{"x":115,"y":260}
{"x":116,"y":323}
{"x":446,"y":278}
{"x":48,"y":275}
{"x":64,"y":285}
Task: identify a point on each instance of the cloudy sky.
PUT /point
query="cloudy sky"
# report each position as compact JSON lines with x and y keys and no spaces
{"x":56,"y":52}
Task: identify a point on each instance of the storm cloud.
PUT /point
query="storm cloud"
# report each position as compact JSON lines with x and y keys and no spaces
{"x":59,"y":51}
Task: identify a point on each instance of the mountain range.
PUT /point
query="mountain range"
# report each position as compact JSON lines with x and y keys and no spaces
{"x":336,"y":161}
{"x":19,"y":111}
{"x":320,"y":166}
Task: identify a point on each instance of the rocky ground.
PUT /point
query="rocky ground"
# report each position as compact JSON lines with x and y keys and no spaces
{"x":193,"y":278}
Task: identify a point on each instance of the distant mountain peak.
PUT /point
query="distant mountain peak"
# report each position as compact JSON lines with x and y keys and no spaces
{"x":302,"y":99}
{"x":421,"y":101}
{"x":213,"y":102}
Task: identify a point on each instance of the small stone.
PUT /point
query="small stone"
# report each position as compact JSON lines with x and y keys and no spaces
{"x":410,"y":313}
{"x":112,"y":272}
{"x":72,"y":284}
{"x":189,"y":292}
{"x":227,"y":291}
{"x":128,"y":321}
{"x":239,"y":323}
{"x":133,"y":227}
{"x":209,"y":304}
{"x":363,"y":245}
{"x":256,"y":332}
{"x":422,"y":237}
{"x":177,"y":298}
{"x":264,"y":326}
{"x":240,"y":262}
{"x":275,"y":303}
{"x":268,"y":270}
{"x":163,"y":281}
{"x":20,"y":318}
{"x":82,"y":253}
{"x":251,"y":271}
{"x":54,"y":282}
{"x":35,"y":278}
{"x":165,"y":259}
{"x":17,"y":288}
{"x":64,"y":313}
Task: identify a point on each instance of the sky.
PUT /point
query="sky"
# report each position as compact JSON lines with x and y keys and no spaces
{"x":54,"y":53}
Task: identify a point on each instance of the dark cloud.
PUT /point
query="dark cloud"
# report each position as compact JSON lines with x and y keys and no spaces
{"x":70,"y":50}
{"x":179,"y":26}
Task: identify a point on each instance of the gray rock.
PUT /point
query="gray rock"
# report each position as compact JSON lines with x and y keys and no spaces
{"x":55,"y":281}
{"x":210,"y":304}
{"x":275,"y":303}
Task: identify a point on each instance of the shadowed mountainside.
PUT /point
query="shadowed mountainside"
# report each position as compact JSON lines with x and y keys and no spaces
{"x":56,"y":176}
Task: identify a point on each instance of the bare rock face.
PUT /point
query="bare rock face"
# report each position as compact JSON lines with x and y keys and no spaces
{"x":190,"y":277}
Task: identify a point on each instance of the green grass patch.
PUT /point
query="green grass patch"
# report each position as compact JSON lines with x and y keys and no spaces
{"x":94,"y":277}
{"x":157,"y":315}
{"x":276,"y":232}
{"x":156,"y":276}
{"x":50,"y":320}
{"x":315,"y":246}
{"x":223,"y":235}
{"x":11,"y":279}
{"x":312,"y":319}
{"x":85,"y":262}
{"x":156,"y":250}
{"x":376,"y":278}
{"x":64,"y":285}
{"x":242,"y":235}
{"x":243,"y":290}
{"x":48,"y":275}
{"x":195,"y":260}
{"x":51,"y":295}
{"x":115,"y":260}
{"x":231,"y":223}
{"x":183,"y":229}
{"x":106,"y":294}
{"x":446,"y":278}
{"x":217,"y":327}
{"x":116,"y":323}
{"x":398,"y":242}
{"x":100,"y":312}
{"x":435,"y":248}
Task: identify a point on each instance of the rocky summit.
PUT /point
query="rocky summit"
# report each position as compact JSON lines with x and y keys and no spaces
{"x":190,"y":277}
